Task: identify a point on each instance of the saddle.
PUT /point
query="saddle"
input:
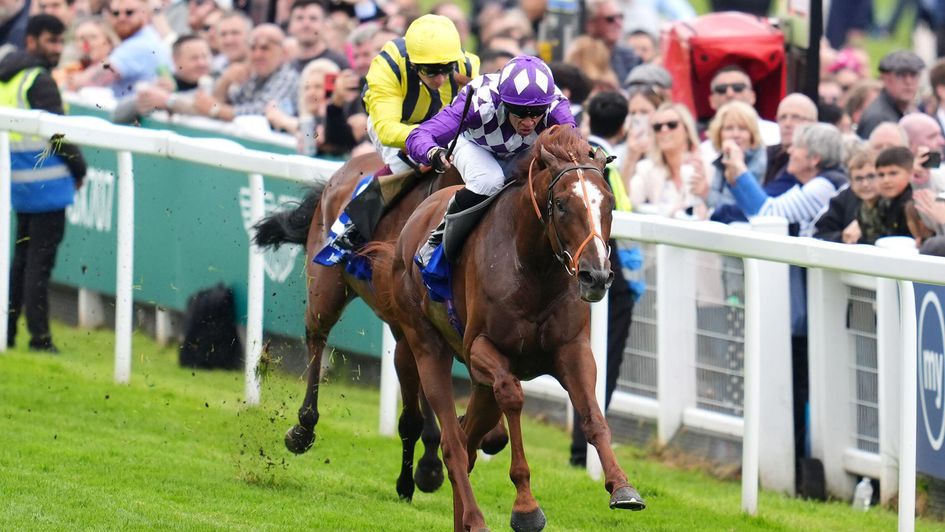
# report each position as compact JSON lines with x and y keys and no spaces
{"x":460,"y":224}
{"x":383,"y":192}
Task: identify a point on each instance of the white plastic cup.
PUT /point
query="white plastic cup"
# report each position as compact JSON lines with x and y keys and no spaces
{"x":686,"y":173}
{"x":307,"y":132}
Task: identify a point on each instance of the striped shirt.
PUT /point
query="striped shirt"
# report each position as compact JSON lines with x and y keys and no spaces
{"x":800,"y":204}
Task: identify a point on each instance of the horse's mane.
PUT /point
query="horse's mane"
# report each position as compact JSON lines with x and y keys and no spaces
{"x":563,"y":142}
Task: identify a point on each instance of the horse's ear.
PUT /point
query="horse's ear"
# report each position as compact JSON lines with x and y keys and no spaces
{"x":546,"y":157}
{"x":600,"y":157}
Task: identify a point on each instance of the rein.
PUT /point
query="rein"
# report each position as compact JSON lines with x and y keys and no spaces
{"x":569,"y":261}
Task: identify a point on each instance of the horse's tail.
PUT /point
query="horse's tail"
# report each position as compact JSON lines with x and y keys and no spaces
{"x":381,"y":255}
{"x":289,"y":226}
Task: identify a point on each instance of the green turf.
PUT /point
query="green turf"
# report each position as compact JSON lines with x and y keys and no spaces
{"x":177,"y":449}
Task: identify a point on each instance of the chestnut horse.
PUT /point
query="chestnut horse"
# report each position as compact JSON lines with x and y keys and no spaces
{"x":519,"y":284}
{"x":330,"y":289}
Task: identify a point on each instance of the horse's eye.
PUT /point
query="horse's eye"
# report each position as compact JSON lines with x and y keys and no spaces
{"x":559,"y":204}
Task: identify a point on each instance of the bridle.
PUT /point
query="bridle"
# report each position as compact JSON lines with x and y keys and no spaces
{"x":569,"y":262}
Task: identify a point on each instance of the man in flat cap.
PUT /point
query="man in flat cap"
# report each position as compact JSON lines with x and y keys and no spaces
{"x":649,"y":75}
{"x":899,"y":72}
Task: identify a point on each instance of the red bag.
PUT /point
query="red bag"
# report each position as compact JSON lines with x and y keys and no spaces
{"x":694,"y":50}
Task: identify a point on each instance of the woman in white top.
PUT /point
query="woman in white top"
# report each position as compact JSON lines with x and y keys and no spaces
{"x":643,"y":101}
{"x":657,"y":185}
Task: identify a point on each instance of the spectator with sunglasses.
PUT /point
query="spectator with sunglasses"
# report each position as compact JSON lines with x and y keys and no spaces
{"x":411,"y":80}
{"x":729,"y":84}
{"x":511,"y":109}
{"x":141,"y":56}
{"x":604,"y":21}
{"x":659,"y":184}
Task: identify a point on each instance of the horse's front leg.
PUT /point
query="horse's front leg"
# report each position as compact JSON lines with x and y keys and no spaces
{"x":488,"y":366}
{"x":327,"y":297}
{"x":577,"y":372}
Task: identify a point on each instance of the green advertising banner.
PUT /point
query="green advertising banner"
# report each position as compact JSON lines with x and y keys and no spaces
{"x":191,"y":232}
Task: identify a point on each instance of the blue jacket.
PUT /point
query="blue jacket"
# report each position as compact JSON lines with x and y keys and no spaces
{"x":44,"y":173}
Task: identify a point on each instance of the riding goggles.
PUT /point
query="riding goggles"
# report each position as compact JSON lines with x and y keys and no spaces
{"x":527,"y":111}
{"x":432,"y":70}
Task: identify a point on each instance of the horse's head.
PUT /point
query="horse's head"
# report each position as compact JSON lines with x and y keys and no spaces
{"x":574,"y":202}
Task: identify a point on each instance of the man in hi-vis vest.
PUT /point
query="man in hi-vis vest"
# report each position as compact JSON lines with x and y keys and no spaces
{"x":45,"y":175}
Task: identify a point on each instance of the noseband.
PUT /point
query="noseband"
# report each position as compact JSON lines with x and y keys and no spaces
{"x":564,"y":257}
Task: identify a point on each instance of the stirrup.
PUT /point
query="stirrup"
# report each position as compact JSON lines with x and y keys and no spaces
{"x":350,"y":238}
{"x":425,"y":253}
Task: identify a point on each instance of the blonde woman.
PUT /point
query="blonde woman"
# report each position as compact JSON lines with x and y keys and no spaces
{"x":660,"y":183}
{"x":734,"y":125}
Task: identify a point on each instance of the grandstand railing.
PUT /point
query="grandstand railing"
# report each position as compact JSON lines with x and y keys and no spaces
{"x":675,"y":400}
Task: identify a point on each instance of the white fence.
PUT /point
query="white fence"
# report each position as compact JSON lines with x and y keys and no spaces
{"x":674,"y":400}
{"x":87,"y":131}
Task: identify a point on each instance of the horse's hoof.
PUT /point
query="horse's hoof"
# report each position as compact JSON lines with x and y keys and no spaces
{"x":528,"y":522}
{"x":627,"y":498}
{"x":429,"y":475}
{"x":405,"y":487}
{"x":494,"y":445}
{"x":299,"y":439}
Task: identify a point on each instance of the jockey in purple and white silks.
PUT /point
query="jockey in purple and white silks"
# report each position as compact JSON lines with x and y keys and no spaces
{"x":508,"y":111}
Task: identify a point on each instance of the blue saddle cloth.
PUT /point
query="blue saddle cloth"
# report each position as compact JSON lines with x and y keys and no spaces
{"x":332,"y":254}
{"x":438,"y":279}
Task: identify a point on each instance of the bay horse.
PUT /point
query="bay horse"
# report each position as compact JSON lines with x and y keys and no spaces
{"x":521,"y":288}
{"x":330,"y":289}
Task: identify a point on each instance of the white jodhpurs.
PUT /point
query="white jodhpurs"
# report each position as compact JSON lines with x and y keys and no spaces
{"x":390,"y":155}
{"x":482,"y":172}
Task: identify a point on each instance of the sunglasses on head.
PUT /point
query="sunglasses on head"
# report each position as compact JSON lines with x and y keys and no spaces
{"x":436,"y":69}
{"x":722,"y":88}
{"x":670,"y":125}
{"x":527,"y":111}
{"x":127,"y":12}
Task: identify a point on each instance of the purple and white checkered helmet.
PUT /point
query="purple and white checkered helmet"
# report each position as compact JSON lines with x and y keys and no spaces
{"x":527,"y":81}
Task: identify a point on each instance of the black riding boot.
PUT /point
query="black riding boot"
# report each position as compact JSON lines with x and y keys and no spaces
{"x":463,"y":200}
{"x":436,"y":237}
{"x":364,"y":211}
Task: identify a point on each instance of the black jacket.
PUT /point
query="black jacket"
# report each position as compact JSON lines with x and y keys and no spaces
{"x":44,"y":95}
{"x":883,"y":109}
{"x":777,"y":161}
{"x":841,"y":211}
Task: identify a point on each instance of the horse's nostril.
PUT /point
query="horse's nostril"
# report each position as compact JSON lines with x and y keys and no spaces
{"x":596,"y":278}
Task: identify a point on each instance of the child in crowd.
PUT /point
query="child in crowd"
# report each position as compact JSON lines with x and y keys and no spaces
{"x":893,"y":172}
{"x":863,"y":184}
{"x":839,"y":222}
